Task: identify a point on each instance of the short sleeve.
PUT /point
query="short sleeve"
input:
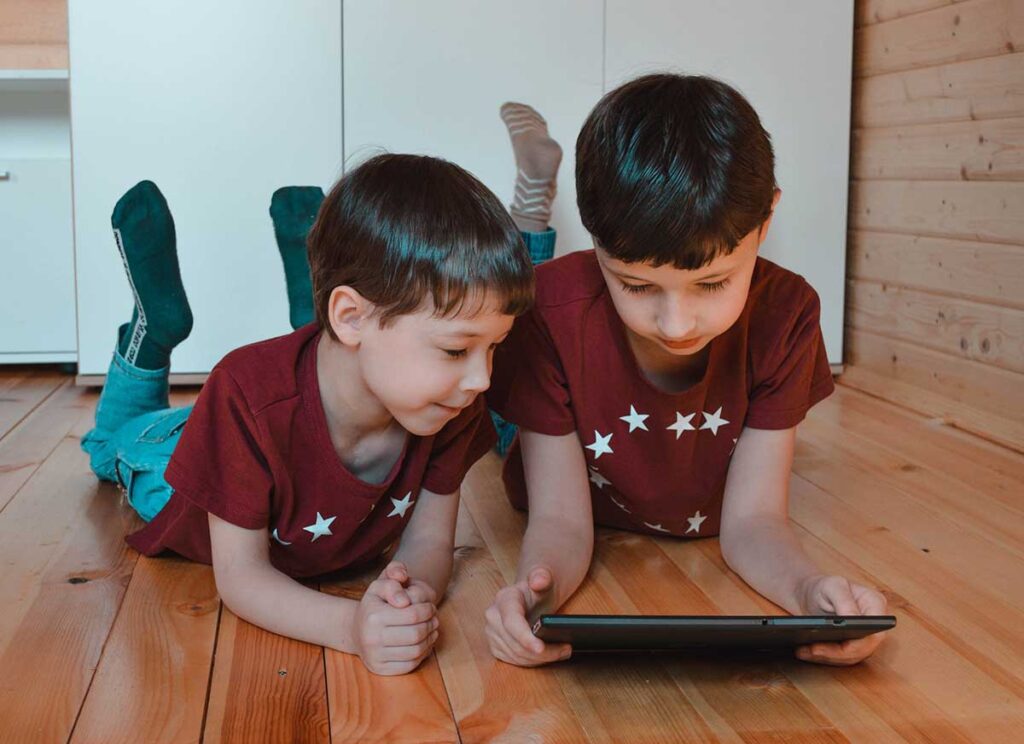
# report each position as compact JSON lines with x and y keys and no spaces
{"x":793,"y":373}
{"x":456,"y":448}
{"x":218,"y":464}
{"x":528,"y":386}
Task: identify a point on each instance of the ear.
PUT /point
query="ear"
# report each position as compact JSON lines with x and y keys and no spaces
{"x":347,"y":312}
{"x":763,"y":232}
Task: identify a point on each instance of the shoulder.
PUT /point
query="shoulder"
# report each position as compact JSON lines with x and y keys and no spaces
{"x":264,"y":372}
{"x":780,"y":301}
{"x":572,"y":278}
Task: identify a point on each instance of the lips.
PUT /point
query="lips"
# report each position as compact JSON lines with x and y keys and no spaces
{"x":684,"y":344}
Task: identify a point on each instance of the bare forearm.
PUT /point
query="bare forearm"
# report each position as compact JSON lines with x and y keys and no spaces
{"x":565,"y":549}
{"x":266,"y":597}
{"x":431,"y":563}
{"x":764,"y":551}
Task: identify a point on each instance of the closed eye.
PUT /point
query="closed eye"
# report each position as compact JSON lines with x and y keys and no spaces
{"x":635,"y":288}
{"x":713,"y":286}
{"x":455,"y":353}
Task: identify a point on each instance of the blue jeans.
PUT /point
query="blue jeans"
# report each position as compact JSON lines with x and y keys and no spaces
{"x":135,"y":434}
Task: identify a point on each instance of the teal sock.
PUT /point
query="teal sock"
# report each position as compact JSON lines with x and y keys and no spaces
{"x":162,"y":319}
{"x":293,"y":210}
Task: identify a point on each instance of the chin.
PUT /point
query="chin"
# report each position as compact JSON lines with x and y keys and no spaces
{"x":424,"y":424}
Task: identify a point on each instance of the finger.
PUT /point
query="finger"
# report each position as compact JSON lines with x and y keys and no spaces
{"x":420,"y":591}
{"x":513,"y":620}
{"x":869,"y":601}
{"x":408,"y":635}
{"x":392,"y":592}
{"x":413,"y":652}
{"x":539,"y":579}
{"x":840,"y":595}
{"x":397,"y":571}
{"x":414,"y":614}
{"x":503,"y":650}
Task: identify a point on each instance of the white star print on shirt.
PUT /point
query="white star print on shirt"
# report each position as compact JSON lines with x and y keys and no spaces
{"x":682,"y":424}
{"x":601,"y":444}
{"x":657,"y":527}
{"x":619,"y":504}
{"x":695,"y":522}
{"x":278,"y":537}
{"x":713,"y":421}
{"x":401,"y":505}
{"x":598,"y":480}
{"x":321,"y":527}
{"x":635,"y":420}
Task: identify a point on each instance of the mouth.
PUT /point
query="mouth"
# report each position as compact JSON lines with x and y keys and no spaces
{"x":450,"y":409}
{"x":680,"y":345}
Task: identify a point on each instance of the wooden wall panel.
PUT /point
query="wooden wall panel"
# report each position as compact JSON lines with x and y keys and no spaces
{"x":935,"y":302}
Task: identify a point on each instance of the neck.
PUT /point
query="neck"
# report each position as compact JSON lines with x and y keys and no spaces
{"x":352,"y":411}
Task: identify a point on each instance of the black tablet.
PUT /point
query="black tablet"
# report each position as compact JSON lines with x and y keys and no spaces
{"x":656,"y":632}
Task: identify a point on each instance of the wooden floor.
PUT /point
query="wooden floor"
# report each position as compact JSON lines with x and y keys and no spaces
{"x":100,"y":645}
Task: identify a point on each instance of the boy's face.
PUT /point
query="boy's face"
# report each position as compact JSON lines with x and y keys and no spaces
{"x":676,"y":312}
{"x":425,"y":369}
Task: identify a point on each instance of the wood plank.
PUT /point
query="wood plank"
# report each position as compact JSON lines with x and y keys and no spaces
{"x":956,"y":33}
{"x":985,"y":389}
{"x":29,"y":444}
{"x":24,"y":394}
{"x":155,"y":667}
{"x":983,"y":272}
{"x":265,"y":687}
{"x":965,"y":210}
{"x":65,"y":570}
{"x":362,"y":707}
{"x":33,"y":34}
{"x":867,"y":12}
{"x":986,"y":88}
{"x":961,"y":458}
{"x":964,"y":150}
{"x":988,"y":334}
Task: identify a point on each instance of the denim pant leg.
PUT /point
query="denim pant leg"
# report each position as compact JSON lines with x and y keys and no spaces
{"x":542,"y":247}
{"x":135,"y":434}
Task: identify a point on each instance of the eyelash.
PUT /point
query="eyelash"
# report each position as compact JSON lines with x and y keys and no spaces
{"x":460,"y":353}
{"x":641,"y":288}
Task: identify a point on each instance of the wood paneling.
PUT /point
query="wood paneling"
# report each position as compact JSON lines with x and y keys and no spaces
{"x":935,"y":302}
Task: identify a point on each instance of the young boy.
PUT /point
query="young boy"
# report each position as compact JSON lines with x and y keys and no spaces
{"x":659,"y":378}
{"x":316,"y":451}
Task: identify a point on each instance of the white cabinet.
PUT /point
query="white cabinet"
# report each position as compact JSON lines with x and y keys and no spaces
{"x":37,"y":289}
{"x":429,"y":77}
{"x":793,"y":61}
{"x":222,"y":103}
{"x":219,"y":104}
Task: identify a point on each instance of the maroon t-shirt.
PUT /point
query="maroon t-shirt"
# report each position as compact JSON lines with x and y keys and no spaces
{"x":256,"y":452}
{"x":657,"y":461}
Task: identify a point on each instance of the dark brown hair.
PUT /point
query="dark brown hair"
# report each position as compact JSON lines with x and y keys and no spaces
{"x":673,"y":169}
{"x":400,"y":229}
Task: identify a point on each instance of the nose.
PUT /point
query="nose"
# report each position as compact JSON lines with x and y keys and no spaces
{"x":477,"y":377}
{"x":675,"y":319}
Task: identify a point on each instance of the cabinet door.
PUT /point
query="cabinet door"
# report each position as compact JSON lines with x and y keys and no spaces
{"x":37,"y":284}
{"x":429,"y":77}
{"x":793,"y":62}
{"x":218,"y":103}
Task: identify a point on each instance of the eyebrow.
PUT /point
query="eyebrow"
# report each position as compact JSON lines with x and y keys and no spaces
{"x":709,"y":277}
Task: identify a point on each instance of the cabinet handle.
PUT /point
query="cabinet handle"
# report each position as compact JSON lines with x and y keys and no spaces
{"x":5,"y":175}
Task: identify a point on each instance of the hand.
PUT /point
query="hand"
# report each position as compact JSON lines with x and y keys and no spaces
{"x":508,"y":631}
{"x":834,"y":595}
{"x":396,"y":623}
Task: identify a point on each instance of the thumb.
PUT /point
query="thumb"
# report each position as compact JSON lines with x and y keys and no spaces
{"x":397,"y":571}
{"x":539,"y":580}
